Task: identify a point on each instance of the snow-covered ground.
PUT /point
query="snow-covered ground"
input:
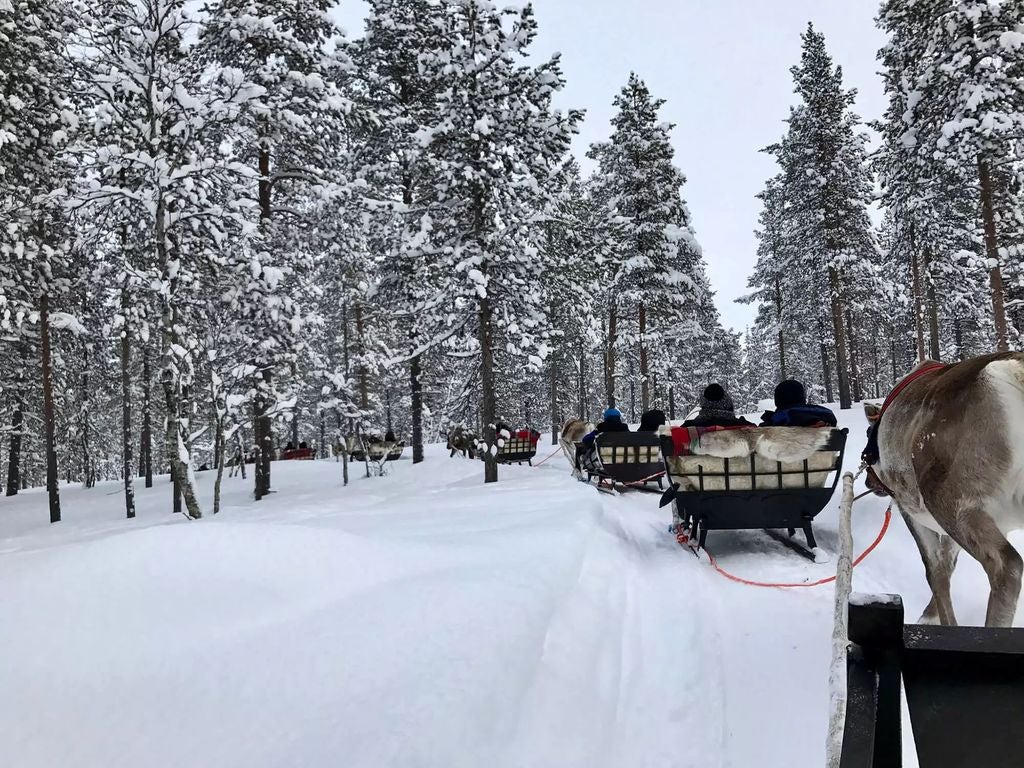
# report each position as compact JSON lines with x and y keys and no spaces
{"x":421,"y":620}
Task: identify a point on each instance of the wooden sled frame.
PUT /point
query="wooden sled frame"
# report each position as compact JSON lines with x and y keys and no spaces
{"x":964,"y":689}
{"x":701,"y":510}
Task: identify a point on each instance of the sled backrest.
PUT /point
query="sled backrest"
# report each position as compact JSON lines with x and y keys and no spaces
{"x":629,"y":456}
{"x":754,"y":472}
{"x":517,"y":450}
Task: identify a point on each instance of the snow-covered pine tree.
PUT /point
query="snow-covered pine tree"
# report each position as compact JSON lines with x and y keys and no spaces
{"x":934,"y":204}
{"x":770,"y":279}
{"x":290,"y":134}
{"x":36,"y":116}
{"x":653,"y":283}
{"x":157,"y":152}
{"x":965,"y":108}
{"x":497,"y":141}
{"x":828,"y":189}
{"x":396,"y":83}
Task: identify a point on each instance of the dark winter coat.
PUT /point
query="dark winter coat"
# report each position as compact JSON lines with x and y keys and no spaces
{"x":792,"y":410}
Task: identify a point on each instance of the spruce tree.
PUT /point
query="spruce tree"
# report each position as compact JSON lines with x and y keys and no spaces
{"x":658,"y":252}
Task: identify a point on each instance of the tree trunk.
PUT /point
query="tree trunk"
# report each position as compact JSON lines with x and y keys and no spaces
{"x":49,"y":418}
{"x":364,"y":386}
{"x":126,"y":410}
{"x":992,"y":251}
{"x":826,"y":372}
{"x":147,"y":416}
{"x":263,"y":432}
{"x":14,"y":455}
{"x":488,"y":405}
{"x":934,"y":351}
{"x":645,"y":394}
{"x":918,"y":292}
{"x":855,"y":382}
{"x":170,"y":377}
{"x":958,"y":336}
{"x":671,"y":402}
{"x":778,"y":320}
{"x":88,"y":472}
{"x":582,"y":405}
{"x":219,"y":414}
{"x":553,"y":382}
{"x":17,"y":424}
{"x":839,"y":332}
{"x":416,"y":390}
{"x":610,"y":357}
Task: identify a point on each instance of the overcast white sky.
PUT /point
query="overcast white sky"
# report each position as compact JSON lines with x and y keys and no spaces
{"x":723,"y":68}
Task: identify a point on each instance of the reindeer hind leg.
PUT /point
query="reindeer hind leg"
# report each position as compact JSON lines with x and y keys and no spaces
{"x":939,"y":554}
{"x":1003,"y":565}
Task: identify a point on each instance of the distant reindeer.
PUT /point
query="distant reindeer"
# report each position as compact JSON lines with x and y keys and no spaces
{"x":951,"y":451}
{"x":461,"y":440}
{"x":572,"y":432}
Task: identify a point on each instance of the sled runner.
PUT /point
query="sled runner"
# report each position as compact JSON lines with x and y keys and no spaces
{"x":737,"y":479}
{"x":622,"y":460}
{"x":964,"y":688}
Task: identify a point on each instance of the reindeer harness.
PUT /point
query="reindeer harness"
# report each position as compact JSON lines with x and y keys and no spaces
{"x":870,"y":455}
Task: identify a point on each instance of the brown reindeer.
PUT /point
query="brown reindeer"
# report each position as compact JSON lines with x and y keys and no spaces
{"x":461,"y":440}
{"x":572,"y":432}
{"x":951,"y":451}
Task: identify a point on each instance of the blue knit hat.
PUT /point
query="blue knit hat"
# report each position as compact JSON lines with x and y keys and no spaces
{"x":613,"y":413}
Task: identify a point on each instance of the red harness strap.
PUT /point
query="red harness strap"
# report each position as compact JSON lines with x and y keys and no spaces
{"x":870,"y":455}
{"x":923,"y":371}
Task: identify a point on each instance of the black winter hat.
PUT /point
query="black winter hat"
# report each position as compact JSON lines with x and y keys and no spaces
{"x":715,"y":403}
{"x":789,"y":393}
{"x":714,"y":392}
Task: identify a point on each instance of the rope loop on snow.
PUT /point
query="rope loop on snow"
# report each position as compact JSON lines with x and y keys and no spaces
{"x":819,"y":582}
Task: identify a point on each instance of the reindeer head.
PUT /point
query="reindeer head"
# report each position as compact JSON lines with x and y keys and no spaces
{"x":870,"y":455}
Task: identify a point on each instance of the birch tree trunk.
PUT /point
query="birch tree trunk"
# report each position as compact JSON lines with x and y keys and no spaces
{"x":126,"y":409}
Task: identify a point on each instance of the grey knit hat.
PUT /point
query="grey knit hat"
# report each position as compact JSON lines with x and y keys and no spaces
{"x":715,"y":403}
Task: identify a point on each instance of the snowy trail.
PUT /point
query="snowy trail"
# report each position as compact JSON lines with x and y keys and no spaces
{"x":421,"y":620}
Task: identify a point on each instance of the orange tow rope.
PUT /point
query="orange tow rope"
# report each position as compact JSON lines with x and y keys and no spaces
{"x":829,"y":580}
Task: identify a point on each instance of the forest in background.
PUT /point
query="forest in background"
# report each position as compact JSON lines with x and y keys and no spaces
{"x":229,"y":228}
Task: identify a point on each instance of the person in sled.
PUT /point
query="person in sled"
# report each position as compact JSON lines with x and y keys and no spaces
{"x":792,"y":410}
{"x":612,"y":422}
{"x":651,"y":420}
{"x":717,"y":410}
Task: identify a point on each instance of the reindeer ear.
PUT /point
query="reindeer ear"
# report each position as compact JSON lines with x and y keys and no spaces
{"x":872,"y":411}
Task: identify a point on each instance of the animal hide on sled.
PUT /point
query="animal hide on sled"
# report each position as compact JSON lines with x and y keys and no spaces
{"x":764,"y":451}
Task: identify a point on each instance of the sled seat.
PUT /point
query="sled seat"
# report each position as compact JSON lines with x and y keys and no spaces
{"x":517,"y":450}
{"x":964,"y":688}
{"x":765,"y":477}
{"x":629,"y":457}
